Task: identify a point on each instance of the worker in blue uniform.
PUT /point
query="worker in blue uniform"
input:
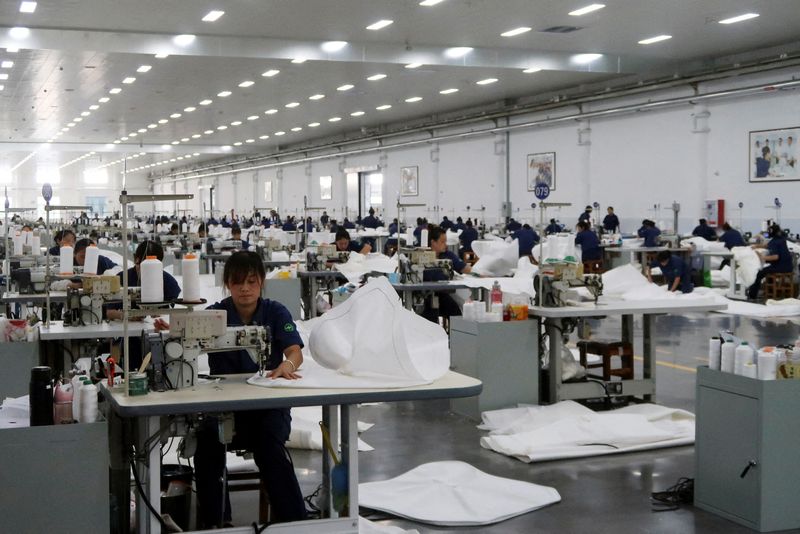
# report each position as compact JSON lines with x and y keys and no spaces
{"x":289,"y":225}
{"x":370,"y":221}
{"x":705,"y":231}
{"x":526,"y":238}
{"x":344,"y":243}
{"x":676,"y":272}
{"x":422,"y":224}
{"x":264,"y":432}
{"x":236,"y":235}
{"x":63,"y":238}
{"x":103,"y":263}
{"x":466,"y":237}
{"x":553,"y":227}
{"x":446,"y":223}
{"x":348,"y":224}
{"x":447,"y":307}
{"x":731,"y":237}
{"x":459,"y":225}
{"x":778,"y":259}
{"x":611,"y":221}
{"x":586,"y":215}
{"x":650,"y":232}
{"x":589,"y":242}
{"x":512,"y":225}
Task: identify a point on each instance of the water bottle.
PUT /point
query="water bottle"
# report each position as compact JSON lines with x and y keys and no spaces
{"x":496,"y":295}
{"x":62,"y":403}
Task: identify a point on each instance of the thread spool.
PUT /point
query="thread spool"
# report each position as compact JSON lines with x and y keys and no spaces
{"x":76,"y":396}
{"x":750,"y":370}
{"x":423,"y":239}
{"x":714,"y":353}
{"x":767,"y":365}
{"x":91,"y":259}
{"x":36,"y":245}
{"x":742,"y":356}
{"x":41,"y":397}
{"x":190,"y":268}
{"x":89,"y":412}
{"x":19,"y":243}
{"x":152,"y":279}
{"x":727,"y":359}
{"x":66,"y":260}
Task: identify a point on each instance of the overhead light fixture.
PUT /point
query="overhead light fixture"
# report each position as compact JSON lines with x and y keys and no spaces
{"x":124,"y":138}
{"x":299,"y":60}
{"x":413,"y":99}
{"x":189,"y":109}
{"x":223,"y":127}
{"x":739,"y":18}
{"x":583,"y":59}
{"x":448,"y":91}
{"x":208,"y":132}
{"x":413,"y":65}
{"x":296,"y":129}
{"x":163,"y":121}
{"x":252,"y":118}
{"x":586,"y":9}
{"x":262,"y":137}
{"x":129,"y":79}
{"x":132,"y":134}
{"x":486,"y":81}
{"x":27,"y":7}
{"x":6,"y":64}
{"x":224,"y":94}
{"x":429,"y":3}
{"x":316,"y":97}
{"x":103,"y":100}
{"x":292,"y":105}
{"x":516,"y":31}
{"x":272,"y":111}
{"x":247,"y":83}
{"x":334,"y":119}
{"x":197,"y":136}
{"x":175,"y":116}
{"x":184,"y":39}
{"x":236,"y":123}
{"x":212,"y":16}
{"x":115,"y":91}
{"x":345,"y":87}
{"x":656,"y":39}
{"x":175,"y":143}
{"x":85,"y":113}
{"x":383,"y":107}
{"x":70,"y":124}
{"x":161,"y":56}
{"x":12,"y":50}
{"x":77,"y":119}
{"x":205,"y":102}
{"x":3,"y":76}
{"x":531,"y":70}
{"x":270,"y":73}
{"x":380,"y":24}
{"x":237,"y":143}
{"x":165,"y":147}
{"x":249,"y":140}
{"x":225,"y":147}
{"x":19,"y":32}
{"x":116,"y":141}
{"x":333,"y":46}
{"x":144,"y":68}
{"x":376,"y":77}
{"x":94,"y":107}
{"x":152,"y":126}
{"x":313,"y":124}
{"x":142,"y":130}
{"x":280,"y":133}
{"x":458,"y":51}
{"x":356,"y":113}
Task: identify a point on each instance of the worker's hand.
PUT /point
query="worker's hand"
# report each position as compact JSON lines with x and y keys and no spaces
{"x":160,"y":325}
{"x":284,"y":370}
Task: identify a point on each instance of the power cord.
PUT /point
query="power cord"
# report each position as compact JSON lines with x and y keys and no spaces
{"x":671,"y":499}
{"x":144,"y":497}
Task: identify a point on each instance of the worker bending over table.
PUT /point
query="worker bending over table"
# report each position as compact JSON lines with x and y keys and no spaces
{"x":589,"y":242}
{"x":650,"y":232}
{"x":345,"y":244}
{"x":676,"y":272}
{"x":778,"y":259}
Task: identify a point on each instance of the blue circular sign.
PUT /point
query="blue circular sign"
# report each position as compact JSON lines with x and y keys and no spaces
{"x":47,"y":192}
{"x":741,"y":205}
{"x":778,"y":202}
{"x":541,"y":191}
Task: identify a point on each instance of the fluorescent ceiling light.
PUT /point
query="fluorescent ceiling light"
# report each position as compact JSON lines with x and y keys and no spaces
{"x":739,"y":18}
{"x":252,"y":118}
{"x":249,"y":140}
{"x":176,"y":142}
{"x":296,"y":129}
{"x":316,"y":97}
{"x":292,"y":105}
{"x":94,"y":107}
{"x":413,"y":99}
{"x":458,"y":51}
{"x":208,"y":132}
{"x":583,"y":59}
{"x":175,"y":116}
{"x":280,"y":133}
{"x":27,"y":7}
{"x":197,"y":136}
{"x":247,"y":83}
{"x":356,"y":113}
{"x":205,"y":102}
{"x":486,"y":81}
{"x":12,"y":50}
{"x":448,"y":91}
{"x":265,"y":136}
{"x":6,"y":64}
{"x":189,"y":109}
{"x":376,"y":77}
{"x":116,"y":141}
{"x":272,"y":111}
{"x":70,"y":124}
{"x":223,"y":127}
{"x":224,"y":94}
{"x":104,"y":99}
{"x":161,"y":56}
{"x":380,"y":24}
{"x":144,"y":68}
{"x":413,"y":65}
{"x":656,"y":39}
{"x":129,"y":79}
{"x":531,"y":70}
{"x":163,"y":121}
{"x":587,"y":9}
{"x":237,"y":143}
{"x":313,"y":124}
{"x":85,"y":113}
{"x":383,"y":107}
{"x":225,"y":147}
{"x":3,"y":76}
{"x":299,"y":60}
{"x":124,"y":138}
{"x":184,"y":140}
{"x":19,"y":32}
{"x":345,"y":87}
{"x":184,"y":39}
{"x":334,"y":119}
{"x":115,"y":91}
{"x":142,"y":130}
{"x":333,"y":46}
{"x":213,"y":16}
{"x":152,"y":126}
{"x":77,"y":119}
{"x":270,"y":73}
{"x":516,"y":31}
{"x":428,"y":3}
{"x":236,"y":123}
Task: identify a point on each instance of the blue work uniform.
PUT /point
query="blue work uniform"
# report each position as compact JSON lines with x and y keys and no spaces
{"x":353,"y":246}
{"x":526,"y":239}
{"x":552,"y":228}
{"x":467,"y":237}
{"x":392,"y":228}
{"x":370,"y":221}
{"x":590,"y":245}
{"x":264,"y":432}
{"x":513,"y":226}
{"x":732,"y":238}
{"x":611,"y":222}
{"x":447,"y":306}
{"x":675,"y":268}
{"x":418,"y":235}
{"x":650,"y":235}
{"x":349,"y":225}
{"x":460,"y":226}
{"x":585,"y":216}
{"x":104,"y":264}
{"x":446,"y":224}
{"x":705,"y":231}
{"x":288,"y":227}
{"x":55,"y":251}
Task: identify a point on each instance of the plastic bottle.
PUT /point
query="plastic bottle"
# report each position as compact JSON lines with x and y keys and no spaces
{"x":89,"y":412}
{"x":743,"y":355}
{"x":62,"y":403}
{"x":190,"y":268}
{"x":36,"y":245}
{"x":76,"y":396}
{"x":496,"y":295}
{"x":152,"y":280}
{"x":91,"y":259}
{"x":507,"y":313}
{"x":65,"y":260}
{"x":727,"y":359}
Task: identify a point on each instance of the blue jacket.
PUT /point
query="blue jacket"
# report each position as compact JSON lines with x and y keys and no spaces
{"x":732,"y":238}
{"x":283,"y":333}
{"x":675,"y":268}
{"x":467,"y":237}
{"x":526,"y":238}
{"x":370,"y":221}
{"x":104,"y":264}
{"x":590,"y":245}
{"x":585,"y":216}
{"x":552,"y":228}
{"x":783,"y":264}
{"x":650,"y":235}
{"x":611,"y":222}
{"x":513,"y":226}
{"x":705,"y":231}
{"x":436,"y":275}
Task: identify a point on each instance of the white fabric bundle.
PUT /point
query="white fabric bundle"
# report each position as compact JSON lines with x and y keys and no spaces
{"x":357,"y":265}
{"x":452,"y":238}
{"x":747,"y":264}
{"x":496,"y":258}
{"x":319,"y":238}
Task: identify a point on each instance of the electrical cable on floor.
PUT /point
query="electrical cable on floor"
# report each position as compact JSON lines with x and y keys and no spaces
{"x":671,"y":499}
{"x":312,"y":509}
{"x":144,"y":496}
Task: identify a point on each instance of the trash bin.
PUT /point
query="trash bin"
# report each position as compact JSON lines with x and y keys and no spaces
{"x":176,"y":493}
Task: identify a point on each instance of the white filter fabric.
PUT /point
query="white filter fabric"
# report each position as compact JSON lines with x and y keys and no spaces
{"x":307,"y":435}
{"x":495,"y":258}
{"x":365,"y":526}
{"x":569,"y":430}
{"x":455,"y":494}
{"x":747,"y":264}
{"x":357,"y":265}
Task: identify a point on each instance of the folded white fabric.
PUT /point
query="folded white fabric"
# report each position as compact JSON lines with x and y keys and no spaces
{"x":747,"y":264}
{"x":357,"y":265}
{"x":495,"y":258}
{"x":569,"y":430}
{"x":306,"y":433}
{"x":365,"y":526}
{"x":454,"y":494}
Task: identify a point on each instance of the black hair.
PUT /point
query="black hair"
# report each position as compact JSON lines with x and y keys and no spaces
{"x":527,"y":226}
{"x":175,"y":227}
{"x":459,"y":219}
{"x":664,"y":255}
{"x":583,"y":225}
{"x":420,"y":221}
{"x":764,"y":151}
{"x":775,"y":231}
{"x":63,"y":233}
{"x":236,"y":229}
{"x":148,"y":248}
{"x":610,"y":207}
{"x":726,"y":227}
{"x":372,"y":211}
{"x":202,"y":228}
{"x":469,"y":223}
{"x":242,"y":264}
{"x":703,"y":221}
{"x":342,"y":233}
{"x":82,"y":244}
{"x":434,"y":233}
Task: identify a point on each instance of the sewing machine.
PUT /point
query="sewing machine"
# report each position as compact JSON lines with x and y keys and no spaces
{"x":84,"y":306}
{"x":227,"y":244}
{"x":174,"y":354}
{"x":414,"y":262}
{"x":266,"y":247}
{"x":29,"y":280}
{"x":560,"y":281}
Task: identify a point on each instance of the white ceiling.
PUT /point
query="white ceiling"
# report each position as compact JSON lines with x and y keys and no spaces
{"x":78,"y":50}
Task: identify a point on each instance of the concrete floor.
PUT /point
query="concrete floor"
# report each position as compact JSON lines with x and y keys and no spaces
{"x":607,"y":494}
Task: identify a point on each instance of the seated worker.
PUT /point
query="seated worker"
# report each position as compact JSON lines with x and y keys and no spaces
{"x":202,"y":233}
{"x":348,"y":224}
{"x":264,"y":432}
{"x":512,"y":225}
{"x":324,"y":219}
{"x":343,"y":243}
{"x":422,"y":224}
{"x":778,"y":259}
{"x":526,"y":238}
{"x":437,"y":241}
{"x":676,"y":272}
{"x":236,"y":235}
{"x":334,"y":227}
{"x":370,"y":221}
{"x":586,"y":215}
{"x":393,"y":226}
{"x":446,"y":223}
{"x":705,"y":231}
{"x":466,"y":237}
{"x":552,"y":228}
{"x":174,"y":229}
{"x":309,"y":225}
{"x":731,"y":237}
{"x":103,"y":263}
{"x":589,"y":242}
{"x":650,"y":233}
{"x":611,"y":221}
{"x":289,"y":225}
{"x":459,"y":225}
{"x":63,"y":238}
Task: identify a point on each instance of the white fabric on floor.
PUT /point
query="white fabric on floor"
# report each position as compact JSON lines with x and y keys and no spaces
{"x":306,"y":433}
{"x":569,"y":430}
{"x":454,"y":494}
{"x":495,"y":258}
{"x":357,"y":265}
{"x":747,"y":264}
{"x":365,"y":526}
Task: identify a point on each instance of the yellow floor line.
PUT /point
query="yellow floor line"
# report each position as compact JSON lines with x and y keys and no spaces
{"x":662,"y":351}
{"x":670,"y":365}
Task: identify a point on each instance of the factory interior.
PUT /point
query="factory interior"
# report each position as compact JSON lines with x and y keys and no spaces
{"x":399,"y":266}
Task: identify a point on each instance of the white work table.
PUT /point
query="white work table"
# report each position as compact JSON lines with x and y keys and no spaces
{"x":13,"y":297}
{"x":733,"y":292}
{"x":57,"y":330}
{"x":234,"y":394}
{"x":555,"y":322}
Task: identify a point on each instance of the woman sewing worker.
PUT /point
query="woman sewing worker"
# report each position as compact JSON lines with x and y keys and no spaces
{"x":345,"y":244}
{"x":264,"y":432}
{"x":778,"y":259}
{"x":588,"y":241}
{"x":437,"y":239}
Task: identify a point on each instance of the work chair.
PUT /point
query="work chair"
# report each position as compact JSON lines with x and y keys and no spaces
{"x":607,"y":350}
{"x":779,"y":286}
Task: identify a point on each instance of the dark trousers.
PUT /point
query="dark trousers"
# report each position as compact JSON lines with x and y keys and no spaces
{"x":752,"y":291}
{"x":263,"y":432}
{"x":447,"y":308}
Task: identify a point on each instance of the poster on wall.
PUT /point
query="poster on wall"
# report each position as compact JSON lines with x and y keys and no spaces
{"x":325,"y":187}
{"x":542,"y":170}
{"x":409,"y":181}
{"x":268,"y":191}
{"x":773,"y":155}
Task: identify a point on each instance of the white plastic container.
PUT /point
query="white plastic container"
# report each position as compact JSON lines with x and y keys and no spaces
{"x":727,"y":360}
{"x":19,"y":242}
{"x":36,"y":245}
{"x":190,"y":269}
{"x":88,"y":403}
{"x":91,"y":259}
{"x":767,"y":365}
{"x":423,"y":239}
{"x":714,"y":353}
{"x":743,"y":356}
{"x":152,"y":279}
{"x":66,"y":260}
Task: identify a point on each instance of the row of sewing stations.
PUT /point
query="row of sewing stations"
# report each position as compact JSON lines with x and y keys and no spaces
{"x":322,"y":288}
